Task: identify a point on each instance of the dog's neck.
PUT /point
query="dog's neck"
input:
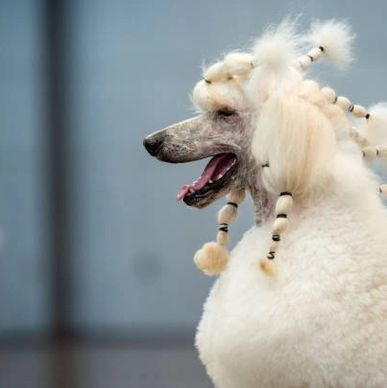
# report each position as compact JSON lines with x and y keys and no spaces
{"x":263,"y":200}
{"x":263,"y":204}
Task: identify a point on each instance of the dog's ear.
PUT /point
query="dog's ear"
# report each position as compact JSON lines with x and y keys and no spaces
{"x":293,"y":142}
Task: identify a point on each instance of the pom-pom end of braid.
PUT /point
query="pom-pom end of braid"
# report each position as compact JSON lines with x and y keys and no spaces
{"x":268,"y":266}
{"x":212,"y":258}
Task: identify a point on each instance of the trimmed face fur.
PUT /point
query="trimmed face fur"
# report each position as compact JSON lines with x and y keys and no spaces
{"x":224,"y":134}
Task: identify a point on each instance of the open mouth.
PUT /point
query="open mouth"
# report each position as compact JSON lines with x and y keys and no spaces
{"x":216,"y":175}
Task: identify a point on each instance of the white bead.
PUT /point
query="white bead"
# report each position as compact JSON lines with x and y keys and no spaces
{"x":279,"y":226}
{"x":359,"y":111}
{"x":284,"y":204}
{"x":315,"y":53}
{"x":227,"y":214}
{"x":369,"y":152}
{"x":343,"y":102}
{"x":304,"y":62}
{"x":236,"y":196}
{"x":329,"y":93}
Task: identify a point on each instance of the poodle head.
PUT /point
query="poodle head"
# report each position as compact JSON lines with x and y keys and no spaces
{"x":224,"y":136}
{"x":259,"y":120}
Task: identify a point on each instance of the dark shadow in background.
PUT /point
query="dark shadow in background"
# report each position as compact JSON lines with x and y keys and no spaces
{"x":60,"y":363}
{"x":56,"y":26}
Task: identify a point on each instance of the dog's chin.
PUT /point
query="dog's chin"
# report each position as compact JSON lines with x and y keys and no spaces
{"x":212,"y":191}
{"x":201,"y":201}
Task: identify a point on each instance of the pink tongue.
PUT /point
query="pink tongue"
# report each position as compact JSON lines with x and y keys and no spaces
{"x":208,"y":172}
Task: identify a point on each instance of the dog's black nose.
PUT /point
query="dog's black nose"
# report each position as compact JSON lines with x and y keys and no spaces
{"x":153,"y":143}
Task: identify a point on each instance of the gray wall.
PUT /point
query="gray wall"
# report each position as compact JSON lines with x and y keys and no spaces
{"x":24,"y":236}
{"x":131,"y":67}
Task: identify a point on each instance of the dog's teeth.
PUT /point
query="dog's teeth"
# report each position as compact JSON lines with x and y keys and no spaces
{"x":191,"y":191}
{"x":210,"y":181}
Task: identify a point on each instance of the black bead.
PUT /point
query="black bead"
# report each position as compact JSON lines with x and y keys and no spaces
{"x":223,"y":227}
{"x":270,"y":255}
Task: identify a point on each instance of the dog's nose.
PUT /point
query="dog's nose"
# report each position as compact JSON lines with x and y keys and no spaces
{"x":153,"y":144}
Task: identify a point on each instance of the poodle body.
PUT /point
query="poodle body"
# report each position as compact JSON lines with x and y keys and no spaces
{"x":321,"y":322}
{"x":302,"y":299}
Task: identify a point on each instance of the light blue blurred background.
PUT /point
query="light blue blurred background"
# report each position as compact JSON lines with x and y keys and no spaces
{"x":128,"y":69}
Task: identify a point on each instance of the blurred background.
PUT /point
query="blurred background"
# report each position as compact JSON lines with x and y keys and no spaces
{"x":97,"y":284}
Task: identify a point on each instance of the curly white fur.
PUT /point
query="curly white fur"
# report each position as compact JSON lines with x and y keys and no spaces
{"x":321,"y":321}
{"x":277,"y":47}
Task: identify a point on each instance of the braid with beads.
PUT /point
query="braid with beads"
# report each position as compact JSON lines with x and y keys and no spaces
{"x":375,"y":118}
{"x":282,"y":209}
{"x":212,"y":258}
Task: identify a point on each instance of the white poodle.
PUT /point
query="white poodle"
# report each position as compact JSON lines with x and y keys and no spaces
{"x":302,"y":299}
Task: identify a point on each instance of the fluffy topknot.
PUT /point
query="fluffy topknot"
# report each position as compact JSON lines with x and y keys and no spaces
{"x":278,"y":47}
{"x":274,"y":63}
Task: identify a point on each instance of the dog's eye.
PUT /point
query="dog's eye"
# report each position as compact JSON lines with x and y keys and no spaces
{"x":225,"y":112}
